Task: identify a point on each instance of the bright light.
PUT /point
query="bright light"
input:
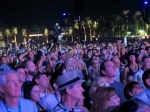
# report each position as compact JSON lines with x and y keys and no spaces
{"x":145,"y":2}
{"x":64,"y":14}
{"x":34,"y":35}
{"x":43,"y":43}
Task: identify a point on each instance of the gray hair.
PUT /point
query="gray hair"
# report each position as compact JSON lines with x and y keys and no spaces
{"x":3,"y":76}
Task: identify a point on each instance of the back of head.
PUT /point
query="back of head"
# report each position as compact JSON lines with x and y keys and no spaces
{"x":135,"y":105}
{"x":146,"y":75}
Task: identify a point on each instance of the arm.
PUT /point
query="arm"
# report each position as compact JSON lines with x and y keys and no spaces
{"x":126,"y":70}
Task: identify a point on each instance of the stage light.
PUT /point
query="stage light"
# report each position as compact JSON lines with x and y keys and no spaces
{"x":64,"y":14}
{"x":145,"y":2}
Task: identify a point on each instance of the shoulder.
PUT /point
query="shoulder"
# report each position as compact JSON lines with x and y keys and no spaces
{"x":27,"y":103}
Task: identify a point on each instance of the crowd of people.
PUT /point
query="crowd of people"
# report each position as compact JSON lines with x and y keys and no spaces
{"x":100,"y":77}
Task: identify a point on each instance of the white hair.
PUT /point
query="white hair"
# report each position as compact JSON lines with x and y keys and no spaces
{"x":3,"y":76}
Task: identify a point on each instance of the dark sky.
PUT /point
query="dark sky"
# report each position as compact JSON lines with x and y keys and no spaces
{"x":48,"y":12}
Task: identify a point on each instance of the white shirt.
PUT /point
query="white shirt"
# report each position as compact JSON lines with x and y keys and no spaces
{"x":138,"y":77}
{"x":117,"y":78}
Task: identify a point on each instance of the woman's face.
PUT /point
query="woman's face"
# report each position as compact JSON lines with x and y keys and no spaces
{"x":35,"y":94}
{"x":136,"y":90}
{"x":132,"y":58}
{"x":113,"y":101}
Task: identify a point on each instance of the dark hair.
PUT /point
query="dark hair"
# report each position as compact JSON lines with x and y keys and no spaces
{"x":144,"y":57}
{"x":102,"y":67}
{"x":128,"y":88}
{"x":146,"y":75}
{"x":27,"y":93}
{"x":53,"y":79}
{"x":37,"y":76}
{"x":133,"y":106}
{"x":39,"y":55}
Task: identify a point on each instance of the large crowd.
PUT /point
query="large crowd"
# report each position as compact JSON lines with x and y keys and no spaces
{"x":100,"y":77}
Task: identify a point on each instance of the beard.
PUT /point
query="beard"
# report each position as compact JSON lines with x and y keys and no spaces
{"x":32,"y":73}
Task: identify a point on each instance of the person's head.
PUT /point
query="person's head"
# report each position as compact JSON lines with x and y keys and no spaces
{"x":146,"y":78}
{"x":41,"y":80}
{"x":116,"y":61}
{"x":70,"y":85}
{"x":29,"y":67}
{"x":108,"y":69}
{"x":33,"y":93}
{"x":9,"y":84}
{"x":131,"y":57}
{"x":4,"y":60}
{"x":62,"y":54}
{"x":21,"y":74}
{"x":134,"y":105}
{"x":98,"y":82}
{"x":123,"y":51}
{"x":95,"y":63}
{"x":104,"y":98}
{"x":132,"y":89}
{"x":31,"y":55}
{"x":40,"y":55}
{"x":69,"y":63}
{"x":130,"y":78}
{"x":146,"y":62}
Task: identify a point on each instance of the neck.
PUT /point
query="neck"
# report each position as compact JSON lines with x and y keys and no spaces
{"x":133,"y":63}
{"x":69,"y":102}
{"x":29,"y":77}
{"x":42,"y":89}
{"x":110,"y":79}
{"x":12,"y":102}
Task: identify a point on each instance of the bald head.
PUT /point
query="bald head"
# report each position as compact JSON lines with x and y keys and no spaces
{"x":116,"y":61}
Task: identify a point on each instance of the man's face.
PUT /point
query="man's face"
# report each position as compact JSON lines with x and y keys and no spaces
{"x":146,"y":63}
{"x":76,"y":92}
{"x":95,"y":63}
{"x":22,"y":75}
{"x":43,"y":81}
{"x":12,"y":87}
{"x":110,"y":69}
{"x":4,"y":60}
{"x":31,"y":68}
{"x":31,"y":55}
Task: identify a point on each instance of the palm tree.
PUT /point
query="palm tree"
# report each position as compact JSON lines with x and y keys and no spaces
{"x":84,"y":28}
{"x":7,"y":33}
{"x":70,"y":32}
{"x":89,"y":24}
{"x":15,"y":32}
{"x":24,"y":34}
{"x":118,"y":24}
{"x":125,"y":12}
{"x":46,"y":34}
{"x":76,"y":25}
{"x":136,"y":18}
{"x":95,"y":26}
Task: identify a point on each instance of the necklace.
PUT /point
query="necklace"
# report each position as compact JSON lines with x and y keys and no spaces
{"x":8,"y":110}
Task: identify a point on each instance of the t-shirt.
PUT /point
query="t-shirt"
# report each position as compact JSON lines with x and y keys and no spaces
{"x":26,"y":106}
{"x":119,"y":89}
{"x":50,"y":101}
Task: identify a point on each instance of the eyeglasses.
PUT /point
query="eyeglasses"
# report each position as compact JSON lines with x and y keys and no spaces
{"x":104,"y":84}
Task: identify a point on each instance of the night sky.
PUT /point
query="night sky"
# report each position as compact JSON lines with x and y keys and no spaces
{"x":48,"y":12}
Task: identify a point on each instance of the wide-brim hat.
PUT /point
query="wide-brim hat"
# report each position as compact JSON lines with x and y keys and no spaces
{"x":68,"y":79}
